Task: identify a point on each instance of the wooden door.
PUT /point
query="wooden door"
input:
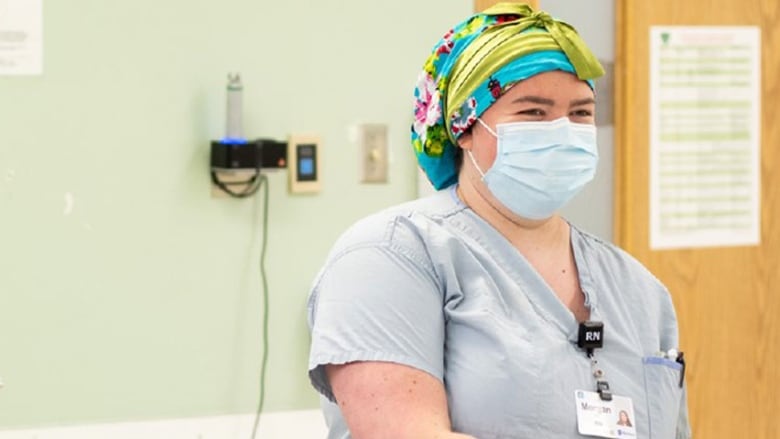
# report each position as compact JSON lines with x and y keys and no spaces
{"x":727,"y":298}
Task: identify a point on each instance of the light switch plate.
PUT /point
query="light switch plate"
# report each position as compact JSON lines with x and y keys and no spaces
{"x":372,"y":138}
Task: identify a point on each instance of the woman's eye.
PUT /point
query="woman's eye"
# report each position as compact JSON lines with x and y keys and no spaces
{"x":532,"y":112}
{"x":582,"y":113}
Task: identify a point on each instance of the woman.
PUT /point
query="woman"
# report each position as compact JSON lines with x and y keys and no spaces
{"x":623,"y":419}
{"x":458,"y":315}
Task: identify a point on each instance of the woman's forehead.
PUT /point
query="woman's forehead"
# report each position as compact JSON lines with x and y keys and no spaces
{"x":555,"y":85}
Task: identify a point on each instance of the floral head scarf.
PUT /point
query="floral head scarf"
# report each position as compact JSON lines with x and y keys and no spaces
{"x":474,"y":64}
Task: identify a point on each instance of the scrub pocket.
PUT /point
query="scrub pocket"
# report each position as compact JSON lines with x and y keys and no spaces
{"x":662,"y":386}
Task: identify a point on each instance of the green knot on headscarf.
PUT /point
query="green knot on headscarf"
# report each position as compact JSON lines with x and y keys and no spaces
{"x":585,"y":63}
{"x":542,"y":19}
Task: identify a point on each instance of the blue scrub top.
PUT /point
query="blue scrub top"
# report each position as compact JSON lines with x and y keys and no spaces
{"x":431,"y":285}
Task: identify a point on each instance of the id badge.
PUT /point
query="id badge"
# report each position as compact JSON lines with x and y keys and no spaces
{"x":596,"y":417}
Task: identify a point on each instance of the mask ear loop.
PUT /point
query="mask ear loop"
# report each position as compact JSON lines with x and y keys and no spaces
{"x":490,"y":130}
{"x":471,"y":156}
{"x":474,"y":162}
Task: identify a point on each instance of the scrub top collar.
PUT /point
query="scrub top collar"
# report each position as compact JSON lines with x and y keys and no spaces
{"x":540,"y":294}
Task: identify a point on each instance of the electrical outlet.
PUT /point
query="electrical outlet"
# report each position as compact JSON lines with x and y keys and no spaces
{"x":373,"y":147}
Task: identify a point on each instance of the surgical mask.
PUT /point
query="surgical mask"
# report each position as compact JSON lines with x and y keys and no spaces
{"x":540,"y":166}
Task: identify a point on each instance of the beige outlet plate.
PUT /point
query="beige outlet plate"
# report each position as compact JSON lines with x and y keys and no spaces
{"x":372,"y":140}
{"x":304,"y":155}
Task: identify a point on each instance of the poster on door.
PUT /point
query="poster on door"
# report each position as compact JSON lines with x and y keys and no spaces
{"x":705,"y":127}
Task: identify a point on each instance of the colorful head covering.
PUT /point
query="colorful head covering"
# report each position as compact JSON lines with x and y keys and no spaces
{"x":474,"y":64}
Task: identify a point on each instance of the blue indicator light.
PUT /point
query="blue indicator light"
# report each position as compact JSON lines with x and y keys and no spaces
{"x":233,"y":141}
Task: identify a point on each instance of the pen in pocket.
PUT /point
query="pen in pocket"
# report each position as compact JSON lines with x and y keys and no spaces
{"x":681,"y":360}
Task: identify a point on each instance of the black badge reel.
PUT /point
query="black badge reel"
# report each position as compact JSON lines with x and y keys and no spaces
{"x":590,"y":338}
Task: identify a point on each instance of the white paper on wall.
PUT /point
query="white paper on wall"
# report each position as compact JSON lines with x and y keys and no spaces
{"x":21,"y":37}
{"x":704,"y":136}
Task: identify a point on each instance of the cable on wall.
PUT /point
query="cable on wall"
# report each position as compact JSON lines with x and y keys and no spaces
{"x":264,"y":280}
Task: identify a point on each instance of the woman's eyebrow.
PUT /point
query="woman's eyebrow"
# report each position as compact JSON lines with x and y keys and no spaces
{"x":549,"y":102}
{"x":534,"y":99}
{"x":578,"y":102}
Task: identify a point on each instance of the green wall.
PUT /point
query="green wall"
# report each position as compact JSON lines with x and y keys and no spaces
{"x":143,"y":300}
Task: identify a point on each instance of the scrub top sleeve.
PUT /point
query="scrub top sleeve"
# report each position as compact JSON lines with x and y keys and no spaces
{"x":376,"y":303}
